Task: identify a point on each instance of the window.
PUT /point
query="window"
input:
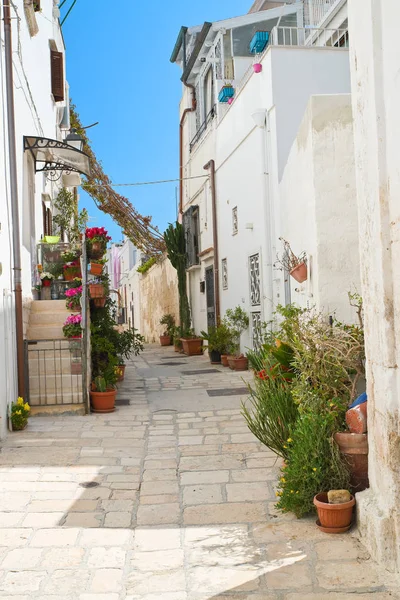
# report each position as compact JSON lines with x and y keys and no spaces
{"x":208,"y":93}
{"x":255,"y":281}
{"x":235,"y":227}
{"x":57,"y":75}
{"x":256,"y":330}
{"x":225,"y":273}
{"x":190,"y":224}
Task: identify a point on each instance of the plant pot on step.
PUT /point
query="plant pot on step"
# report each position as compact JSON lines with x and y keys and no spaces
{"x":333,"y":517}
{"x":354,"y":448}
{"x":299,"y":273}
{"x":224,"y":360}
{"x":165,"y":340}
{"x":120,"y":371}
{"x":215,"y":357}
{"x":103,"y":401}
{"x":96,"y":268}
{"x":238,"y":363}
{"x":192,"y":346}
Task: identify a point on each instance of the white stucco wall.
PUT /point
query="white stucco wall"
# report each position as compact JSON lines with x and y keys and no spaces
{"x":319,"y":208}
{"x":376,"y":97}
{"x":36,"y":114}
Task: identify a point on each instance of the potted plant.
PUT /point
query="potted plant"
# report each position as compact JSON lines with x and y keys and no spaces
{"x":51,"y":239}
{"x":227,"y":92}
{"x":97,"y":293}
{"x":336,"y":516}
{"x":295,"y":265}
{"x":46,"y":278}
{"x":169,"y":321}
{"x":96,"y":241}
{"x":257,"y":67}
{"x":237,"y":322}
{"x":176,"y":339}
{"x":72,"y":327}
{"x":126,"y":343}
{"x":192,"y":344}
{"x":19,"y":414}
{"x":96,"y":268}
{"x":72,"y":269}
{"x":103,"y":394}
{"x":218,"y":341}
{"x":73,"y":301}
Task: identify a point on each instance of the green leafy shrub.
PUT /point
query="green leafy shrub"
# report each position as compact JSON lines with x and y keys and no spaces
{"x":147,"y":265}
{"x":218,"y":339}
{"x":127,"y":343}
{"x":169,"y":321}
{"x":313,"y":464}
{"x":237,"y":320}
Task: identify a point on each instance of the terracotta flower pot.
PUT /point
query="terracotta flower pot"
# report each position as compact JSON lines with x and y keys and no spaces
{"x":241,"y":363}
{"x":120,"y":370}
{"x":103,"y":401}
{"x":76,"y":368}
{"x":96,"y":250}
{"x":96,"y":290}
{"x":231,"y":363}
{"x":165,"y":340}
{"x":299,"y":273}
{"x":99,"y":302}
{"x":224,"y":360}
{"x":96,"y":268}
{"x":357,"y":418}
{"x":46,"y":282}
{"x":71,"y":273}
{"x":193,"y":346}
{"x":215,"y":357}
{"x":336,"y":517}
{"x":354,"y":448}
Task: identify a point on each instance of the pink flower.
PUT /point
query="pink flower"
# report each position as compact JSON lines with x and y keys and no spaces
{"x":73,"y":292}
{"x":73,"y":320}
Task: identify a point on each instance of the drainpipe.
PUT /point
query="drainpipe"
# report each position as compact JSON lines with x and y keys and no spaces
{"x":16,"y":243}
{"x":211,"y":167}
{"x":185,"y":112}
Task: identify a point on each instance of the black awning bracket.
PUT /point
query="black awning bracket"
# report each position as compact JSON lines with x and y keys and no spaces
{"x":55,"y":155}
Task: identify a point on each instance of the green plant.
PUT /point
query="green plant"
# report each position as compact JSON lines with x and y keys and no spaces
{"x":65,"y":220}
{"x":288,"y":261}
{"x":271,"y":413}
{"x":314,"y":464}
{"x":218,"y":338}
{"x":169,"y":321}
{"x":100,"y":384}
{"x":174,"y":238}
{"x":19,"y":414}
{"x":147,"y":265}
{"x":126,"y":343}
{"x":237,"y":320}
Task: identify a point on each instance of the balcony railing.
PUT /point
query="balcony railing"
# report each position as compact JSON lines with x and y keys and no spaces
{"x":316,"y":10}
{"x":203,"y":127}
{"x":303,"y":36}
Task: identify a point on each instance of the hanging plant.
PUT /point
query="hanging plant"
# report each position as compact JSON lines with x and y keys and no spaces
{"x":295,"y":265}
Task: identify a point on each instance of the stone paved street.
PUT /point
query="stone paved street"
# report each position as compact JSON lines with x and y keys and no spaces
{"x":182,"y":507}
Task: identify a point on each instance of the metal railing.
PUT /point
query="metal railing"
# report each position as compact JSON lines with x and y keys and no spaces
{"x":54,"y":370}
{"x":305,"y":37}
{"x":203,"y":127}
{"x":316,"y":10}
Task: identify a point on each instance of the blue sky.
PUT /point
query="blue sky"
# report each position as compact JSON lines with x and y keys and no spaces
{"x":119,"y":74}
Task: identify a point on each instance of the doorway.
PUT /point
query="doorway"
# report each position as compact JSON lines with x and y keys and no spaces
{"x":210,"y":297}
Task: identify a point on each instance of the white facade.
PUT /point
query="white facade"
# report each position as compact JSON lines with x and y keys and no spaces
{"x":34,"y":35}
{"x":258,"y":161}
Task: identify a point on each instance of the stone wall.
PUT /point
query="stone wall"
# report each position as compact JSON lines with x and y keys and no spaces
{"x":158,"y":295}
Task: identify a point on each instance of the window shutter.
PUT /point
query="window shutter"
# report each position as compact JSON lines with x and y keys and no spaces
{"x":57,"y":75}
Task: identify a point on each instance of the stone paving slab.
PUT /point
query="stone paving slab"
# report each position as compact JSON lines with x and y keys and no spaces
{"x":184,"y":508}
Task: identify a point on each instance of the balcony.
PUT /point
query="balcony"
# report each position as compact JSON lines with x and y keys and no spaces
{"x":203,"y":127}
{"x":304,"y":37}
{"x":315,"y":11}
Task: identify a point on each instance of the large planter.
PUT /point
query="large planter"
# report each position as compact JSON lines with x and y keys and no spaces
{"x":333,"y":518}
{"x":120,"y":371}
{"x":177,"y":345}
{"x":192,"y":346}
{"x":96,"y":268}
{"x":299,"y":273}
{"x":165,"y":340}
{"x":224,"y":360}
{"x":103,"y":402}
{"x":354,"y":448}
{"x":215,"y":357}
{"x":240,"y":363}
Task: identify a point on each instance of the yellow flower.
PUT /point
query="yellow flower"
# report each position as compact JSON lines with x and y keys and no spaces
{"x":283,"y":480}
{"x":314,"y":469}
{"x":331,"y":404}
{"x":285,"y":446}
{"x":27,"y":407}
{"x":20,"y":401}
{"x":18,"y":412}
{"x":297,"y":492}
{"x":290,"y":440}
{"x":292,"y":491}
{"x":278,"y":493}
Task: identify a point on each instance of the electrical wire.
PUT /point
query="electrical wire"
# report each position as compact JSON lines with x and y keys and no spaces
{"x":151,"y":182}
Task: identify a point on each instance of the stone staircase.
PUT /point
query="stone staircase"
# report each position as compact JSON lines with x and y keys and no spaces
{"x":55,"y":383}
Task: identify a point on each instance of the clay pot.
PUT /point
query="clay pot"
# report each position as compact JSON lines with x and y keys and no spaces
{"x":99,"y":302}
{"x":299,"y":273}
{"x":96,"y":250}
{"x":354,"y":448}
{"x":46,"y":282}
{"x":356,"y":418}
{"x":215,"y":357}
{"x":165,"y":340}
{"x":120,"y":371}
{"x":96,"y":290}
{"x":335,"y":517}
{"x":192,"y":346}
{"x":76,"y":368}
{"x":103,"y":401}
{"x":224,"y":360}
{"x":71,"y":273}
{"x":238,"y":363}
{"x":96,"y":268}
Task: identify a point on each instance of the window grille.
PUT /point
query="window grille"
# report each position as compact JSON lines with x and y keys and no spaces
{"x":256,"y":330}
{"x":225,"y":273}
{"x":255,"y":280}
{"x":235,"y":225}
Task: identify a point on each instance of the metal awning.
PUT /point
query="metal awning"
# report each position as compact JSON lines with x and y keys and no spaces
{"x":54,"y":155}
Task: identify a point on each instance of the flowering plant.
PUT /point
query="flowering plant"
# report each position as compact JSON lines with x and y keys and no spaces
{"x":19,"y":414}
{"x":97,"y":234}
{"x":46,"y":275}
{"x":73,"y":264}
{"x":72,"y":326}
{"x":73,"y":295}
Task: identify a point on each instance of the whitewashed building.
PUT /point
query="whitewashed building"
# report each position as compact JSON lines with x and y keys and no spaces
{"x":261,"y":166}
{"x":41,"y":120}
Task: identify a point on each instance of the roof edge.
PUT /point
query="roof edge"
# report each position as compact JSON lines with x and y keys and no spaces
{"x":198,"y":46}
{"x":178,"y":43}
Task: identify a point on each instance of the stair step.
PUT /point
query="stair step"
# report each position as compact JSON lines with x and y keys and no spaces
{"x":48,"y":305}
{"x":44,"y":332}
{"x":56,"y":318}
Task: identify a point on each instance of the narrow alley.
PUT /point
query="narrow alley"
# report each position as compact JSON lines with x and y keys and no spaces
{"x":170,"y":497}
